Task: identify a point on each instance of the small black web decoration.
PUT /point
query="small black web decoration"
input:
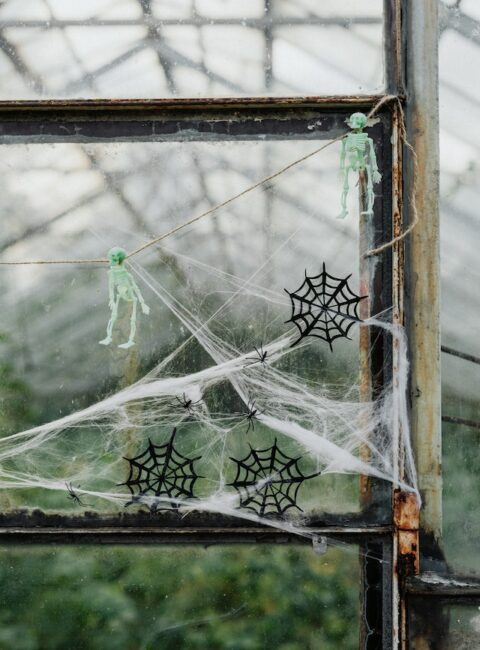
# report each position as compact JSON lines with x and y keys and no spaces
{"x":161,"y":471}
{"x":324,"y":306}
{"x":268,"y":481}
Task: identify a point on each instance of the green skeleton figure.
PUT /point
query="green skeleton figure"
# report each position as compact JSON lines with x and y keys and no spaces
{"x":358,"y":149}
{"x":122,"y":286}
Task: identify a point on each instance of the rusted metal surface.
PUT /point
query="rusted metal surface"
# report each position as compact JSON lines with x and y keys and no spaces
{"x":394,"y":68}
{"x":185,"y":535}
{"x":375,"y":355}
{"x":172,"y":520}
{"x":312,"y":123}
{"x":406,"y":522}
{"x":184,"y":103}
{"x":423,"y":262}
{"x":402,"y":549}
{"x":445,"y":586}
{"x":428,"y":625}
{"x":364,"y":312}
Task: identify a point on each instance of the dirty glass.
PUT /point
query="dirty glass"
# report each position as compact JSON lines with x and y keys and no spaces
{"x":460,"y":262}
{"x":443,"y":625}
{"x":189,"y":48}
{"x":175,"y":598}
{"x":70,"y":200}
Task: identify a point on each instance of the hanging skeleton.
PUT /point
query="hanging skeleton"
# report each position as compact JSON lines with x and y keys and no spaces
{"x":358,"y":155}
{"x":122,"y":286}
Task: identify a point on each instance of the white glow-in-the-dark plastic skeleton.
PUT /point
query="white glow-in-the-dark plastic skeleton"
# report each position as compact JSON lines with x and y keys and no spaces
{"x":122,"y":286}
{"x":358,"y":155}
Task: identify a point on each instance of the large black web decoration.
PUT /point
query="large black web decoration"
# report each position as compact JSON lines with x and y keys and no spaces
{"x":160,"y":471}
{"x":268,"y":480}
{"x":325,"y":307}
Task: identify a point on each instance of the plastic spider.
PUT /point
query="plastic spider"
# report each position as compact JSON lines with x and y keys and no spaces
{"x":252,"y":415}
{"x":73,"y":495}
{"x":261,"y":357}
{"x":187,"y":403}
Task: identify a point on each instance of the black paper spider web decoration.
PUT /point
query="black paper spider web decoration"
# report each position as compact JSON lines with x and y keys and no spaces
{"x":324,"y":306}
{"x":268,"y":481}
{"x":161,"y":471}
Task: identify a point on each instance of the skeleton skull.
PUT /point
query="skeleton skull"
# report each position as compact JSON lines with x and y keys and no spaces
{"x":357,"y":121}
{"x":117,"y":256}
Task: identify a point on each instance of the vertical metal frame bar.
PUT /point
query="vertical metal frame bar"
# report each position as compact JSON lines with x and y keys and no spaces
{"x":422,"y":298}
{"x":394,"y":48}
{"x":423,"y":252}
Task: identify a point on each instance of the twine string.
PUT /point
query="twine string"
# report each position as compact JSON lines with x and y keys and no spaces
{"x":250,"y":188}
{"x":413,"y":193}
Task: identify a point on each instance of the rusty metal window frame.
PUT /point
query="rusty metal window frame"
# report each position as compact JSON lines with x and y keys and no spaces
{"x":389,"y":587}
{"x":45,"y":122}
{"x":372,"y":528}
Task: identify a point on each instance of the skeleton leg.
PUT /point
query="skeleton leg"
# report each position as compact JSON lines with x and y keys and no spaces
{"x":344,"y":211}
{"x":133,"y":327}
{"x":370,"y":194}
{"x":111,"y":323}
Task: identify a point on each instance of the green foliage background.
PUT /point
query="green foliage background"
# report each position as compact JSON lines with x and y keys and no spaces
{"x":129,"y":598}
{"x":238,"y":598}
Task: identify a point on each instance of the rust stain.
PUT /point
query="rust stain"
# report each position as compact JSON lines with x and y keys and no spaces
{"x":188,"y":103}
{"x":405,"y":510}
{"x":406,"y":519}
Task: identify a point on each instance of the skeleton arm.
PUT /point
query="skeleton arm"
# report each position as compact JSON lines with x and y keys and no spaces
{"x":145,"y":307}
{"x":377,"y":177}
{"x":342,"y":156}
{"x":111,"y":290}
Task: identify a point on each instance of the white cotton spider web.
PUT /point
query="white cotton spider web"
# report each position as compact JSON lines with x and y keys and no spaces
{"x":327,"y":432}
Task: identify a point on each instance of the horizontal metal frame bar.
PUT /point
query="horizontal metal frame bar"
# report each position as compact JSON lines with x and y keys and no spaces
{"x":170,"y":519}
{"x":445,"y":587}
{"x":159,"y":124}
{"x":168,"y":103}
{"x":263,"y":22}
{"x":461,"y":355}
{"x":253,"y":535}
{"x":451,"y":419}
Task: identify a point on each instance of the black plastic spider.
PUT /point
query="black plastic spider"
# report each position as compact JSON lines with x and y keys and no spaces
{"x":261,"y":357}
{"x":73,"y":495}
{"x":251,"y":415}
{"x":187,"y":403}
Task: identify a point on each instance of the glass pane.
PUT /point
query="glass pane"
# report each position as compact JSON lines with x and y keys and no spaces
{"x":216,"y":291}
{"x":460,"y":193}
{"x":244,"y":597}
{"x":436,"y":624}
{"x":189,"y":48}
